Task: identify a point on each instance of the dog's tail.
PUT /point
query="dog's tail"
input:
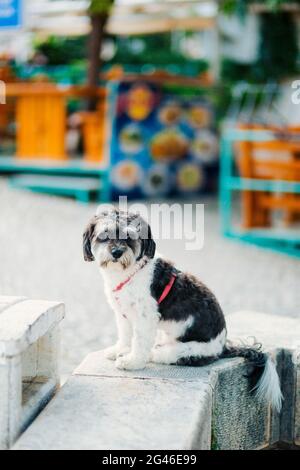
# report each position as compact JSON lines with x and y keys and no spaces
{"x":263,"y":377}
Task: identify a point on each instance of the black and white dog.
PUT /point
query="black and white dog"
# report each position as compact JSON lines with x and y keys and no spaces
{"x":163,"y":315}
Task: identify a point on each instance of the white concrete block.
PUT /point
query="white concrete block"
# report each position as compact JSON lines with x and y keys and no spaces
{"x":123,"y":413}
{"x":29,"y":374}
{"x":279,"y":332}
{"x":95,"y":364}
{"x":174,"y":407}
{"x":297,"y":401}
{"x":25,"y":322}
{"x":8,"y":300}
{"x":10,"y":400}
{"x":281,"y":336}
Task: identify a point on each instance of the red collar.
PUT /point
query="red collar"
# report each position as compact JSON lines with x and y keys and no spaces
{"x":123,"y":283}
{"x":164,"y":293}
{"x":167,"y":289}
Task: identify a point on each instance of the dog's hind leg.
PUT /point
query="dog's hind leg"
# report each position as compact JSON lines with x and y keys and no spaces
{"x":189,"y":353}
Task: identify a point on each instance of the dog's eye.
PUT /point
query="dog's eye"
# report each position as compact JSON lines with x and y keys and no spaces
{"x":102,"y":237}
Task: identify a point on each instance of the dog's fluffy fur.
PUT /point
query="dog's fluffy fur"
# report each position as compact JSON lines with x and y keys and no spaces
{"x":186,"y":328}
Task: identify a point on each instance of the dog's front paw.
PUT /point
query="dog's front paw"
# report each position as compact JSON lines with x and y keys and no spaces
{"x":111,"y":353}
{"x":123,"y":352}
{"x":115,"y":351}
{"x":129,"y":362}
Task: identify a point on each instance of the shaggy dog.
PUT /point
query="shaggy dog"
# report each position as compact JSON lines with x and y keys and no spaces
{"x":163,"y":315}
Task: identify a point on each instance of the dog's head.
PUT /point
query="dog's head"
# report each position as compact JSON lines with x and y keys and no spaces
{"x":117,"y":239}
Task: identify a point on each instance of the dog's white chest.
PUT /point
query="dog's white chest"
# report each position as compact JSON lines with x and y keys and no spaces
{"x":127,"y":299}
{"x":133,"y":297}
{"x":130,"y":300}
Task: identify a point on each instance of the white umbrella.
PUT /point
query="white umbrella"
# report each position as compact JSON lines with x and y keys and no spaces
{"x":128,"y":17}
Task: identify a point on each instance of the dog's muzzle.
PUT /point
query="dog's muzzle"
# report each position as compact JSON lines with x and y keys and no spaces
{"x":117,"y":253}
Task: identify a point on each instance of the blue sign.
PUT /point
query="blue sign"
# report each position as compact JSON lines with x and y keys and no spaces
{"x":10,"y":13}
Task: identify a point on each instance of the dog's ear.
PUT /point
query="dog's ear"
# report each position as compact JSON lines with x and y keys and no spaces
{"x":148,"y":245}
{"x":87,"y":239}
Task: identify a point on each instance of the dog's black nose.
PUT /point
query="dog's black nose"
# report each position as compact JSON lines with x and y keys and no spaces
{"x":117,"y":252}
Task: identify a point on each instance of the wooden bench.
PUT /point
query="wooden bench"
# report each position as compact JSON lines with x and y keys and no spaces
{"x":41,"y":117}
{"x":281,"y":163}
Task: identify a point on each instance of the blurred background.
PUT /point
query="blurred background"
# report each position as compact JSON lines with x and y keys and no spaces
{"x":162,"y":101}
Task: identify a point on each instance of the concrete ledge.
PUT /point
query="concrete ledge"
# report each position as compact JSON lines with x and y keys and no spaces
{"x":22,"y":323}
{"x":7,"y":301}
{"x":29,"y":376}
{"x":296,"y":365}
{"x":122,"y":414}
{"x":170,"y":407}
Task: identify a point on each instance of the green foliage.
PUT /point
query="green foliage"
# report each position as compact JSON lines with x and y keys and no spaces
{"x":100,"y":6}
{"x":240,"y":6}
{"x":274,"y":62}
{"x":62,"y":50}
{"x":156,"y":50}
{"x":232,"y":71}
{"x":278,"y":50}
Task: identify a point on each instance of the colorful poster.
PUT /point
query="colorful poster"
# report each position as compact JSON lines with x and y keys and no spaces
{"x":162,"y":143}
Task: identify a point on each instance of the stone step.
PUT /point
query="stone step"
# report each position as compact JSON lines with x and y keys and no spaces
{"x":29,"y":373}
{"x":23,"y":323}
{"x":115,"y":413}
{"x":171,"y":407}
{"x":8,"y":300}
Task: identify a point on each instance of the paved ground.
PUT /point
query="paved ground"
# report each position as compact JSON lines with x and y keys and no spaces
{"x":41,"y":257}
